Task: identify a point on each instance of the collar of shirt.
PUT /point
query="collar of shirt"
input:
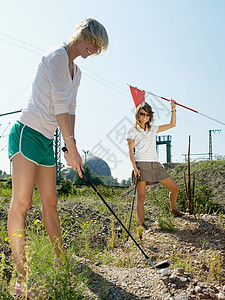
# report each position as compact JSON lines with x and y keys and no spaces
{"x":142,"y":130}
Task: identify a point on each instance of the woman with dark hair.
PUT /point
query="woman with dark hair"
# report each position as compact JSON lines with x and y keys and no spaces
{"x":142,"y":138}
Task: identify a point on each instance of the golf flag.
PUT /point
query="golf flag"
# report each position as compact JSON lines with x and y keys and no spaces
{"x":138,"y":95}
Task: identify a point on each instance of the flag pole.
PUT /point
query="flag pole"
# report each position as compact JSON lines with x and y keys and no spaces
{"x":186,"y":107}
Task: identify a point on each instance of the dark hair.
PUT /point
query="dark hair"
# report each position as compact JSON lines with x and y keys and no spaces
{"x":147,"y":108}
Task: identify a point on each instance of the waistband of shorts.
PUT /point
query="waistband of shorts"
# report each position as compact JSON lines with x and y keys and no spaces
{"x":33,"y":130}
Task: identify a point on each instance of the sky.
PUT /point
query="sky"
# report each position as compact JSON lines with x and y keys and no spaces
{"x":173,"y":48}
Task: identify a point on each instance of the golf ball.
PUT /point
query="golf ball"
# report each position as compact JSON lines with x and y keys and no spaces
{"x":164,"y":272}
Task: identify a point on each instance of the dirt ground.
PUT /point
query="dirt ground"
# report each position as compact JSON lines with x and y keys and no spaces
{"x":195,"y":251}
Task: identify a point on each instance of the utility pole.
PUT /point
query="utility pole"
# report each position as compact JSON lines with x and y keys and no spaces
{"x":5,"y":114}
{"x":85,"y":153}
{"x":57,"y":146}
{"x":210,"y":141}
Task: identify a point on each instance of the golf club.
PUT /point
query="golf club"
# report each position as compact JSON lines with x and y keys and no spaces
{"x":132,"y":207}
{"x":161,"y":265}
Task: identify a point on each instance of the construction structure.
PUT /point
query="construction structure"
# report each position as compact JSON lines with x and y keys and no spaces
{"x":210,"y":153}
{"x":210,"y":141}
{"x":57,"y":150}
{"x":165,"y":140}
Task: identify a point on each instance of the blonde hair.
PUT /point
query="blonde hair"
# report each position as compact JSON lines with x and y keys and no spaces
{"x":93,"y":32}
{"x":148,"y":109}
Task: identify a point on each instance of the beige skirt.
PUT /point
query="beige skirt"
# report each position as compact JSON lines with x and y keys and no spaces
{"x":151,"y":172}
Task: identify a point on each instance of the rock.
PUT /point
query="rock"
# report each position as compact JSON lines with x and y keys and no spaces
{"x":183,"y":297}
{"x":198,"y":289}
{"x":203,"y":296}
{"x":180,"y":271}
{"x":183,"y":279}
{"x":221,"y":296}
{"x":172,"y":277}
{"x":124,"y":284}
{"x":201,"y":284}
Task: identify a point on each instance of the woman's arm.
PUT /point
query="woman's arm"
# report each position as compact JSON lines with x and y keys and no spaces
{"x":66,"y":124}
{"x":132,"y":158}
{"x":172,"y":120}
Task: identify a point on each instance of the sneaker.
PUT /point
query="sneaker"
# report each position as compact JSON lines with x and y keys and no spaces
{"x":176,"y":213}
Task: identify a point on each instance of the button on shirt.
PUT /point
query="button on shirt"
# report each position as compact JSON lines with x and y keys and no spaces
{"x":144,"y":143}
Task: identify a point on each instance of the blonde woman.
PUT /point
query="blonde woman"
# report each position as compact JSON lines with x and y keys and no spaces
{"x":143,"y":156}
{"x":52,"y":103}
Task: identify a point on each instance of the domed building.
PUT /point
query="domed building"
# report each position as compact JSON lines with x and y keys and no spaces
{"x":97,"y":165}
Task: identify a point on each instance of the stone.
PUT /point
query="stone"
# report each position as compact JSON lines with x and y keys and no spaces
{"x":198,"y":289}
{"x":183,"y":297}
{"x":97,"y":263}
{"x":221,"y":296}
{"x":180,"y":271}
{"x":183,"y":279}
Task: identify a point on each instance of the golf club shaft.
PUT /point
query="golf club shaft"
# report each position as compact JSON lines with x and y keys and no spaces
{"x":100,"y":196}
{"x":161,"y":265}
{"x":132,"y":207}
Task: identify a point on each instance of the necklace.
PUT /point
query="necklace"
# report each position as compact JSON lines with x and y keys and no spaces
{"x":67,"y":49}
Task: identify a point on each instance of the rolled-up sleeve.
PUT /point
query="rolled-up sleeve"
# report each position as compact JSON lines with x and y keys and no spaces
{"x":58,"y":75}
{"x":131,"y":133}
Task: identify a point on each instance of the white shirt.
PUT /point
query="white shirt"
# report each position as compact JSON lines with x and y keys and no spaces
{"x":53,"y":92}
{"x":144,"y":143}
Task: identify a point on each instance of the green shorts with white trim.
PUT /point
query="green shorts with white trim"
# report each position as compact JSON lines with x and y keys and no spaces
{"x":33,"y":145}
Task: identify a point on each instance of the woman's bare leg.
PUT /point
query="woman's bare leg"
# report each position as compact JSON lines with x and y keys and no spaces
{"x":23,"y":178}
{"x":46,"y":184}
{"x":141,"y":186}
{"x":173,"y":188}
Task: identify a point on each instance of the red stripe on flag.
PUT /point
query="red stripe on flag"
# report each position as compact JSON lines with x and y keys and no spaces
{"x":181,"y":105}
{"x":138,"y":95}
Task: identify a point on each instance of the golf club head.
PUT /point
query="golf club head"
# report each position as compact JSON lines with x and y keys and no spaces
{"x":162,"y":265}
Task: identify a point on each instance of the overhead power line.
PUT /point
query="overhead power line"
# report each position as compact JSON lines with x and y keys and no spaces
{"x":43,"y":50}
{"x":10,"y":113}
{"x":100,"y":78}
{"x":25,"y":43}
{"x":20,"y":46}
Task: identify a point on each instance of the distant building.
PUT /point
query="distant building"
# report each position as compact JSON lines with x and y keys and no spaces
{"x":97,"y":165}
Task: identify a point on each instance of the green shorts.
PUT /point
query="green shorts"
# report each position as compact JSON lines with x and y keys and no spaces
{"x":31,"y":144}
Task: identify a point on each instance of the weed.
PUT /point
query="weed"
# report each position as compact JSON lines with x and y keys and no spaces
{"x":203,"y":245}
{"x":181,"y":262}
{"x":221,"y":220}
{"x":113,"y":240}
{"x":126,"y":258}
{"x":215,"y":261}
{"x":140,"y":231}
{"x":166,"y":223}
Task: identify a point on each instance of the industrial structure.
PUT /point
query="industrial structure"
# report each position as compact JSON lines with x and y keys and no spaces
{"x":165,"y":140}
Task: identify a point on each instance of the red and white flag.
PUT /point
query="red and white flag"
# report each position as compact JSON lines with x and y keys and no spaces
{"x":138,"y":95}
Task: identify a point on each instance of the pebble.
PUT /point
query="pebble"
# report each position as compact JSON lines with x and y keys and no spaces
{"x":198,"y":289}
{"x":183,"y":279}
{"x":221,"y":296}
{"x":183,"y":297}
{"x":180,"y":271}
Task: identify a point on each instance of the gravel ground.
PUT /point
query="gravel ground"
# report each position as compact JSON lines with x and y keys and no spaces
{"x":194,"y":250}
